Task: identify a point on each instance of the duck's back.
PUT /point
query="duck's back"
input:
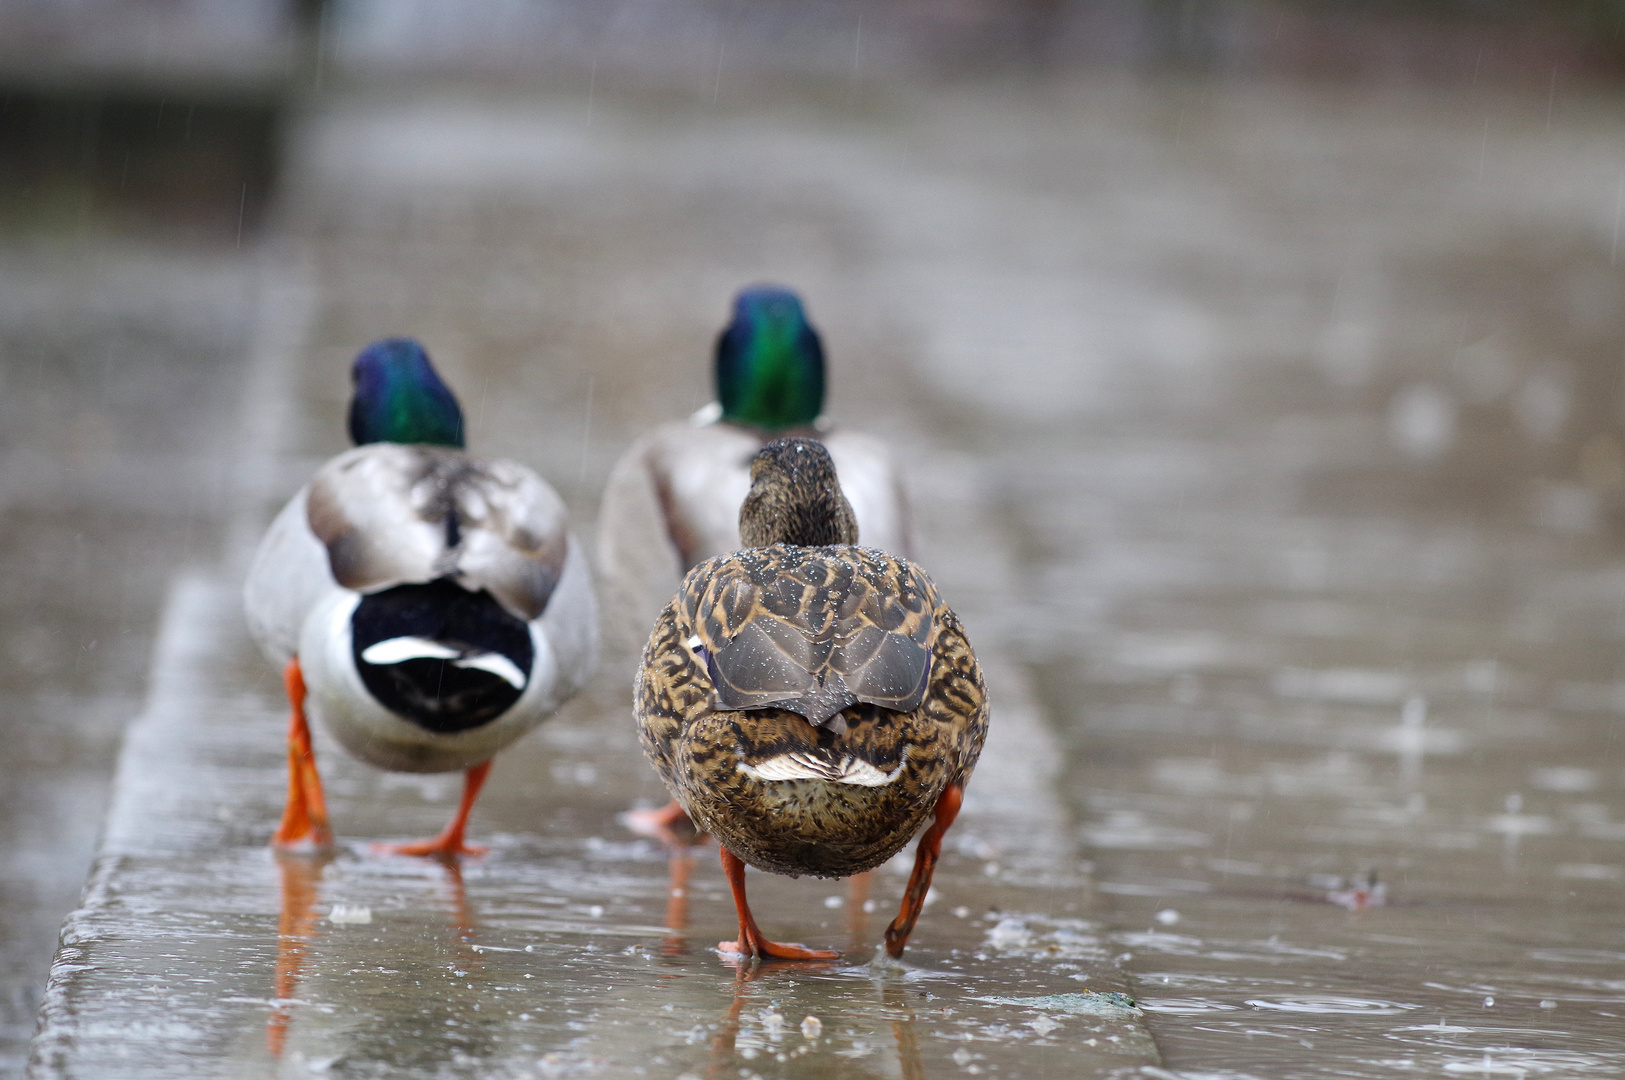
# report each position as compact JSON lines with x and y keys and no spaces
{"x":385,"y":514}
{"x":813,"y":630}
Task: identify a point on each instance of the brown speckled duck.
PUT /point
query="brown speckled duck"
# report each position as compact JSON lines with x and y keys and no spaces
{"x":808,"y":702}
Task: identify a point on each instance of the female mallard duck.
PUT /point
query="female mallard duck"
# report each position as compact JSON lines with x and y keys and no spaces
{"x":427,"y":606}
{"x":673,"y":498}
{"x":809,"y":702}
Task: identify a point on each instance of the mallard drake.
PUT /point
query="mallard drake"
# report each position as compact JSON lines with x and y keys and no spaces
{"x":808,"y":702}
{"x":673,"y":498}
{"x":427,"y":606}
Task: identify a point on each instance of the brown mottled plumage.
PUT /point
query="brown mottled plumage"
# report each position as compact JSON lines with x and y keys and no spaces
{"x":811,"y":706}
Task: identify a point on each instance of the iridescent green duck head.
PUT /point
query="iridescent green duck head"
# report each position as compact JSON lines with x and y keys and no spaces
{"x":399,"y":397}
{"x":770,"y":363}
{"x":795,"y":498}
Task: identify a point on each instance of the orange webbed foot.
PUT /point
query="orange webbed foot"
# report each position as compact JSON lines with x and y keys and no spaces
{"x":668,"y":824}
{"x":925,"y":865}
{"x":774,"y":950}
{"x":303,"y":829}
{"x":441,"y":847}
{"x":450,"y":843}
{"x":752,"y":943}
{"x":312,"y":841}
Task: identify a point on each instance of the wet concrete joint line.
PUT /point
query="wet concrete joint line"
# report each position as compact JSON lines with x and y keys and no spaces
{"x":1013,"y":790}
{"x":144,"y":794}
{"x":1014,"y":795}
{"x":118,"y":470}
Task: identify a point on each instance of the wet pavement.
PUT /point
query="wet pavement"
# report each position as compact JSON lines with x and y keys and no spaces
{"x":198,"y":952}
{"x":118,"y":361}
{"x":1266,"y":440}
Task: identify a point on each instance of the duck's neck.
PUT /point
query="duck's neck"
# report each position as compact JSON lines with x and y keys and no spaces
{"x":790,"y":514}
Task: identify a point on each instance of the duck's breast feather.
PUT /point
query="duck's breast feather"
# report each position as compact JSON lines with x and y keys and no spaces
{"x":873,"y":484}
{"x":700,"y":476}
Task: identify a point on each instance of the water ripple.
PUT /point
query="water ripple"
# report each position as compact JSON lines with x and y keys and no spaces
{"x":1323,"y":1005}
{"x":1184,"y":1006}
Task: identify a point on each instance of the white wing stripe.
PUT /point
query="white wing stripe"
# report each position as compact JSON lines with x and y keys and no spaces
{"x":395,"y":650}
{"x":497,"y":665}
{"x":849,"y":770}
{"x":401,"y":649}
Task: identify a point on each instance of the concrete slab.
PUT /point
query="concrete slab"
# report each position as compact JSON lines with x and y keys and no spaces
{"x":119,"y":361}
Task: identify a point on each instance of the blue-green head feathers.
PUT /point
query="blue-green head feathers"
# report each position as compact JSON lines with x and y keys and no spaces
{"x":770,"y":363}
{"x":399,"y":397}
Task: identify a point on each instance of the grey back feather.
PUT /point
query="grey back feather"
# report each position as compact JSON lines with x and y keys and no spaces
{"x":390,"y":514}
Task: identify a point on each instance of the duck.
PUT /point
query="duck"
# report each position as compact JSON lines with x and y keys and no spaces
{"x":672,"y":499}
{"x":426,"y":606}
{"x":809,"y":702}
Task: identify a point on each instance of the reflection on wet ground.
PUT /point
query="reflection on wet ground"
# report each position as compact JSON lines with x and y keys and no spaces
{"x":1264,"y":439}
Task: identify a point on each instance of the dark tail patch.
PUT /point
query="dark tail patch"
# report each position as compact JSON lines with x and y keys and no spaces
{"x":478,"y":654}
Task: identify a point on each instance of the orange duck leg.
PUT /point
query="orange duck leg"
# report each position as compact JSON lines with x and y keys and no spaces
{"x":925,"y":865}
{"x":450,"y":843}
{"x":304,"y":825}
{"x":752,"y":942}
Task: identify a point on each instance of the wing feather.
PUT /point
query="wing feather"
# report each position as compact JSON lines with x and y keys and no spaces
{"x":845,"y":769}
{"x":814,"y":630}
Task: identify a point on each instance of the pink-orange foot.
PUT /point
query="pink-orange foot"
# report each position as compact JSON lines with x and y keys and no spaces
{"x":313,"y":842}
{"x":752,"y":942}
{"x":451,"y":843}
{"x":440,"y":847}
{"x":762,"y":949}
{"x":925,"y":864}
{"x":669,"y":824}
